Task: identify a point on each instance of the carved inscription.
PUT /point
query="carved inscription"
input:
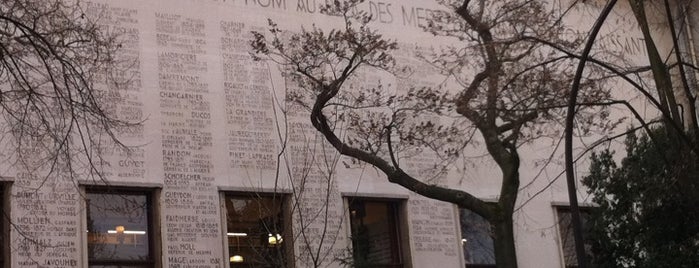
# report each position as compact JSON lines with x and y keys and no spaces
{"x":433,"y":227}
{"x":122,"y":90}
{"x":191,"y":223}
{"x":319,"y":213}
{"x":249,"y":111}
{"x":47,"y":228}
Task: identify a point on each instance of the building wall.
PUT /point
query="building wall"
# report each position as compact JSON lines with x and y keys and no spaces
{"x":212,"y":125}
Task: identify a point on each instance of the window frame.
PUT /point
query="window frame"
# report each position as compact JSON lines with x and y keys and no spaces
{"x":399,"y":230}
{"x":285,"y":198}
{"x":5,"y":223}
{"x":152,"y":196}
{"x":584,"y":209}
{"x":461,"y":237}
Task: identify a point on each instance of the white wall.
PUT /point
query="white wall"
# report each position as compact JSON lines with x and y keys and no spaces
{"x":212,"y":125}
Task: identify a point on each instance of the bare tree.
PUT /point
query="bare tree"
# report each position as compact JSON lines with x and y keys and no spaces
{"x":61,"y":79}
{"x":311,"y":168}
{"x":304,"y":177}
{"x":52,"y":59}
{"x":670,"y":87}
{"x":505,"y":88}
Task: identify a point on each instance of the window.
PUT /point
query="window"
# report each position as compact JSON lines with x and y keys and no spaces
{"x":255,"y":229}
{"x":477,"y":240}
{"x":375,"y":233}
{"x":565,"y":229}
{"x":120,"y":228}
{"x":4,"y":231}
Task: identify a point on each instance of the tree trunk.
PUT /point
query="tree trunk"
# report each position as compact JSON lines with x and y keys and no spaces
{"x":502,"y":224}
{"x":504,"y":242}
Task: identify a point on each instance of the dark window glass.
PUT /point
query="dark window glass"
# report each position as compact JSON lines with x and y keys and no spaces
{"x":119,"y":229}
{"x":476,"y":239}
{"x":375,"y":233}
{"x":2,"y":227}
{"x":255,"y":230}
{"x":565,"y":227}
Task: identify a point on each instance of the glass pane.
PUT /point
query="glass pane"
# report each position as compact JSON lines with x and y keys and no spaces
{"x":2,"y":227}
{"x":476,"y":238}
{"x":117,"y":226}
{"x":255,"y":231}
{"x":374,"y":233}
{"x":565,"y":225}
